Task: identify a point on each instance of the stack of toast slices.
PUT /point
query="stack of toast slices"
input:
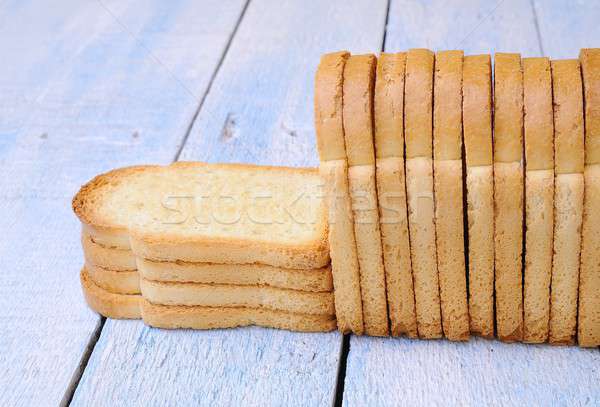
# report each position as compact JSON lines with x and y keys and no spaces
{"x":194,"y":245}
{"x":456,"y":196}
{"x":463,"y":194}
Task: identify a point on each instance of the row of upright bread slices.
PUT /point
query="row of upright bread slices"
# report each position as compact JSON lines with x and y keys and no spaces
{"x":195,"y":245}
{"x":463,"y":200}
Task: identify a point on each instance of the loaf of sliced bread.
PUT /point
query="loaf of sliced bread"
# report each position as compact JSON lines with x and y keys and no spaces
{"x":477,"y":126}
{"x":391,"y":192}
{"x":219,"y":213}
{"x":359,"y":84}
{"x":334,"y":171}
{"x":568,"y":199}
{"x":588,"y":325}
{"x":448,"y":192}
{"x":418,"y":120}
{"x":508,"y":195}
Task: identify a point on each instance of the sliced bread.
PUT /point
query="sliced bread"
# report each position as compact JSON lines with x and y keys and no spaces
{"x":116,"y":281}
{"x":105,"y":256}
{"x":358,"y":88}
{"x":109,"y":304}
{"x":334,"y":170}
{"x":418,"y":117}
{"x":391,"y":192}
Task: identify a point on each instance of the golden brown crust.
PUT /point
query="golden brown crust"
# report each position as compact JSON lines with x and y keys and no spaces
{"x":508,"y":108}
{"x":418,"y":106}
{"x":477,"y":116}
{"x":568,"y":117}
{"x":359,"y":84}
{"x":389,"y":105}
{"x":590,"y":68}
{"x":447,"y":106}
{"x":328,"y":106}
{"x":173,"y":317}
{"x":110,"y":305}
{"x":539,"y":127}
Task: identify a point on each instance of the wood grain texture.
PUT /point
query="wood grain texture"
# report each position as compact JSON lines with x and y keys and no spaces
{"x":259,"y":110}
{"x":566,"y":27}
{"x":480,"y":372}
{"x":404,"y":372}
{"x":85,"y":86}
{"x":477,"y":27}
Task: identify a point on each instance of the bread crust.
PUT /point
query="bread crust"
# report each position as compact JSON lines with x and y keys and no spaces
{"x":477,"y":129}
{"x":539,"y":197}
{"x":110,"y":305}
{"x":115,"y":281}
{"x":391,"y":193}
{"x":227,"y":295}
{"x":508,"y":195}
{"x":568,"y":199}
{"x":334,"y":171}
{"x":107,"y":257}
{"x":359,"y":83}
{"x":173,"y":317}
{"x":588,"y":331}
{"x":316,"y":280}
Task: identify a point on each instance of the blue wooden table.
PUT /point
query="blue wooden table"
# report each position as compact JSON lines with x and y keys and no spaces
{"x":87,"y":86}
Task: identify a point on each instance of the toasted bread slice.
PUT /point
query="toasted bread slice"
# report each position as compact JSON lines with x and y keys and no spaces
{"x":316,"y":280}
{"x":108,"y":304}
{"x":539,"y":197}
{"x":174,"y":316}
{"x":334,"y":170}
{"x":508,"y":196}
{"x":391,"y":193}
{"x":568,"y":199}
{"x":107,"y":257}
{"x":220,"y":213}
{"x":448,"y":192}
{"x":418,"y":102}
{"x":480,"y":191}
{"x":588,"y":326}
{"x":359,"y":83}
{"x":115,"y":281}
{"x":224,"y":295}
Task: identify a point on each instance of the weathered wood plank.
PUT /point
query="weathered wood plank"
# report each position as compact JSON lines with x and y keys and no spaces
{"x":475,"y":26}
{"x":259,"y":110}
{"x":405,"y":372}
{"x":84,"y":87}
{"x":480,"y":372}
{"x":566,"y":27}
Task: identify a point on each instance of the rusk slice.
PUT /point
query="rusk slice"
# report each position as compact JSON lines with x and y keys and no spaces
{"x":568,"y":199}
{"x":358,"y":88}
{"x":108,"y":304}
{"x":317,"y":280}
{"x":539,"y":197}
{"x":107,"y":257}
{"x":477,"y":129}
{"x":588,"y":324}
{"x":219,"y":213}
{"x":391,"y":193}
{"x":115,"y":281}
{"x":448,"y":191}
{"x":418,"y":102}
{"x":172,"y":317}
{"x":508,"y":196}
{"x":334,"y":171}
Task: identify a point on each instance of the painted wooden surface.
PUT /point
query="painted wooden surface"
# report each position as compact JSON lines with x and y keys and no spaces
{"x":85,"y":86}
{"x":405,"y":372}
{"x":259,"y":109}
{"x":565,"y":27}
